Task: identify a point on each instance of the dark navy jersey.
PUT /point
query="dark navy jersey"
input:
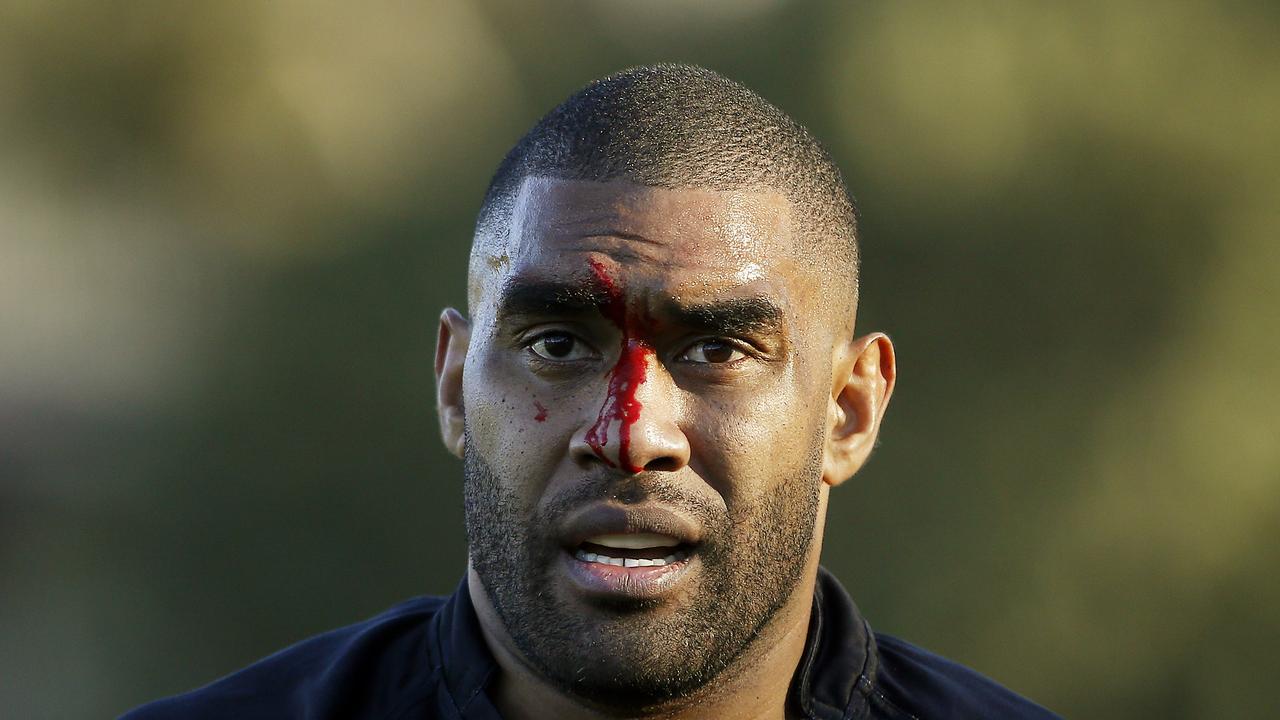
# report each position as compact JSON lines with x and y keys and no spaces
{"x":426,"y":658}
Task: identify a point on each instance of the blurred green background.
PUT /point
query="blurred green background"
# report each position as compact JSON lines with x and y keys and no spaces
{"x":227,"y":229}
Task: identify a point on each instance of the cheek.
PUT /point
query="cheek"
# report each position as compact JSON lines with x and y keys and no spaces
{"x":756,"y":439}
{"x":521,"y":430}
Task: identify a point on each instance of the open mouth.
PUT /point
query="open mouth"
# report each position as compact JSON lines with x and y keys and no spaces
{"x":619,"y":555}
{"x":633,"y":550}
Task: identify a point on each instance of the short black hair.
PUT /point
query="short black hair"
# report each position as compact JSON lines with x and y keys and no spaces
{"x":682,"y":126}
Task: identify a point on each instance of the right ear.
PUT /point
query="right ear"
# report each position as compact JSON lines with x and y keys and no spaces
{"x":451,"y":356}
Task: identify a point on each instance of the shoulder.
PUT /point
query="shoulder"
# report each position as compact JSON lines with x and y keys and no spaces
{"x":369,"y":664}
{"x":930,"y":687}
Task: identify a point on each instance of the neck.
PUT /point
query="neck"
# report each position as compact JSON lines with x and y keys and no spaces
{"x":755,"y":687}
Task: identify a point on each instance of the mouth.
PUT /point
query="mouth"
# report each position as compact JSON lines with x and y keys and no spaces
{"x":628,"y":554}
{"x":633,"y":550}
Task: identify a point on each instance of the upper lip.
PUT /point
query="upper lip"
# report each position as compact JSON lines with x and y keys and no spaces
{"x":608,"y":518}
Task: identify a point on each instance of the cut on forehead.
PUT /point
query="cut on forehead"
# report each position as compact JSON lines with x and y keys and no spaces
{"x":682,"y":126}
{"x":689,"y":246}
{"x":726,"y":237}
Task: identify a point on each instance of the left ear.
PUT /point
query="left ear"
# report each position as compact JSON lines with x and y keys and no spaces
{"x":862,"y":381}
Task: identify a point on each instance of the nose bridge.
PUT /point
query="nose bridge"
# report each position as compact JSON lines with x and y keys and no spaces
{"x":659,"y":420}
{"x":638,"y":426}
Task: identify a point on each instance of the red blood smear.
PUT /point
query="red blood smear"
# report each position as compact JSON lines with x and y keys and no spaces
{"x":542,"y":412}
{"x":624,"y":380}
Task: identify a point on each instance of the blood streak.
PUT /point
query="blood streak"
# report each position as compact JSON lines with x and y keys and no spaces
{"x":624,"y":379}
{"x":542,"y":412}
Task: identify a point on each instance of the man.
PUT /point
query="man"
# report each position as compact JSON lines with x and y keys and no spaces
{"x":656,"y":390}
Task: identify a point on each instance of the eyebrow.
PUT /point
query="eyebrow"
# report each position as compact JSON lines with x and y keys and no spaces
{"x":730,"y":316}
{"x":523,"y":297}
{"x":541,"y":297}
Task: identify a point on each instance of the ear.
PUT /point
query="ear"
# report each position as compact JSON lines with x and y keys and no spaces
{"x":863,"y":376}
{"x":451,"y":356}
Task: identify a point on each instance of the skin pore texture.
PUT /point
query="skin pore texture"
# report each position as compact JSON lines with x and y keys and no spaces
{"x":668,"y":366}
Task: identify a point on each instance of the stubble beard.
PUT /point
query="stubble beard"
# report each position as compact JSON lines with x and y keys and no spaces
{"x":637,"y":656}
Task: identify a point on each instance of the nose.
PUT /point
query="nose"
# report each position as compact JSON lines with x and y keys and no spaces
{"x":637,"y":428}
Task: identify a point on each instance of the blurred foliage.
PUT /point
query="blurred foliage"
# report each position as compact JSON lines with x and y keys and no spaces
{"x":226,"y":230}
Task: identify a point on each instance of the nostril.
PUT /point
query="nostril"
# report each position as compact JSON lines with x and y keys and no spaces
{"x":663,"y":464}
{"x":587,"y":458}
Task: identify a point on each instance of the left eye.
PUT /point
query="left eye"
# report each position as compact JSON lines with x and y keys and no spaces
{"x":713,"y":352}
{"x":559,"y":346}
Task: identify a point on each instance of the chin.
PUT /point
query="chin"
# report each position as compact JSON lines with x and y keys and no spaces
{"x":632,"y":660}
{"x":632,"y":682}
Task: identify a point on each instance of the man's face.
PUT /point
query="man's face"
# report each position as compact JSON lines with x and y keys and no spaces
{"x":646,"y":396}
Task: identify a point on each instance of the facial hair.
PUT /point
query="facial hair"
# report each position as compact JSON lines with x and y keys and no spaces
{"x":641,"y":655}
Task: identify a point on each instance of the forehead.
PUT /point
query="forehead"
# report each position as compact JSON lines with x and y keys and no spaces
{"x":684,"y":240}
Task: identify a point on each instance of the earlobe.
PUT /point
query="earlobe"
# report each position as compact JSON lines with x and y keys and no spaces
{"x":864,"y":374}
{"x":451,"y":355}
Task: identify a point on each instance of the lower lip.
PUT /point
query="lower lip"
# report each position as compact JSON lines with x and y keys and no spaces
{"x":616,"y":583}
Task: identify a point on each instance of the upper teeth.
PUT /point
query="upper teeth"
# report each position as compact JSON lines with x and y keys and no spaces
{"x":634,"y":541}
{"x":671,"y":559}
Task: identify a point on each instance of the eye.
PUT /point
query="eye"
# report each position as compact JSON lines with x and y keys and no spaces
{"x":561,"y":346}
{"x":713,"y":352}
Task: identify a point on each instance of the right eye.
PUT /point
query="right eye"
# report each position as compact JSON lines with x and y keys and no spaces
{"x":559,"y":346}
